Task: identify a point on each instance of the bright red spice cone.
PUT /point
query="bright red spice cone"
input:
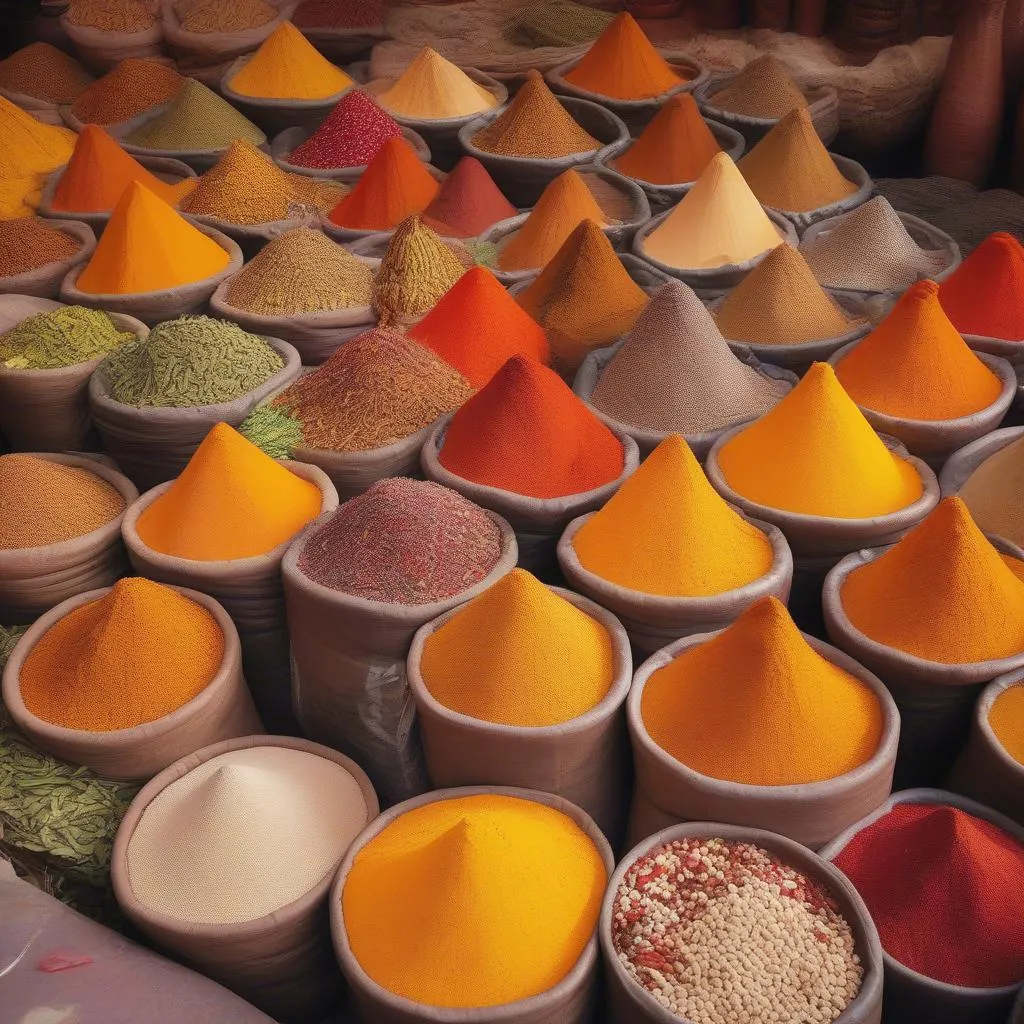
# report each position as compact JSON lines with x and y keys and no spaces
{"x":985,"y":294}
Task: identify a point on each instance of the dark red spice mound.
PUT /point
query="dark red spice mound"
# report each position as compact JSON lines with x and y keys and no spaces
{"x":339,"y":13}
{"x":349,"y":136}
{"x":469,"y":202}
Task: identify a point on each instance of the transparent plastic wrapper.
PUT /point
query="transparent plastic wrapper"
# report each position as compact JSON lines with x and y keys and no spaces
{"x":45,"y":282}
{"x":291,"y":138}
{"x":350,"y":686}
{"x":101,"y":50}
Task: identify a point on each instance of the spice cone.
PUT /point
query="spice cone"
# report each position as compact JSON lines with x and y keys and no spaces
{"x":762,"y":89}
{"x":984,"y":294}
{"x":468,"y":202}
{"x":433,"y":88}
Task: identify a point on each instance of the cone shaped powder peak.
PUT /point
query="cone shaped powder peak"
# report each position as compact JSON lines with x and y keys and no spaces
{"x":816,"y":454}
{"x":985,"y":294}
{"x":762,"y":89}
{"x":942,"y":593}
{"x":1006,"y":718}
{"x":350,"y":136}
{"x":675,"y":372}
{"x":468,"y":202}
{"x":994,"y":493}
{"x":757,"y":705}
{"x":666,"y":531}
{"x":432,"y":88}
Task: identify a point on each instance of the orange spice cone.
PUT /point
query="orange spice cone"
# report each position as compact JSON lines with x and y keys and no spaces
{"x":762,"y":89}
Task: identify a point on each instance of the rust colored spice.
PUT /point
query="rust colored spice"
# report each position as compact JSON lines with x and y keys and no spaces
{"x":131,"y":88}
{"x":339,"y":13}
{"x":350,"y":136}
{"x":28,"y":243}
{"x":468,"y":203}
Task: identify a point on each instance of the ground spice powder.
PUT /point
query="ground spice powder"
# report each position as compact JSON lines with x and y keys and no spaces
{"x":432,"y":88}
{"x":521,"y":655}
{"x":477,"y":326}
{"x":942,"y":593}
{"x":907,"y":862}
{"x":112,"y":15}
{"x":148,"y":247}
{"x":301,"y":271}
{"x":350,"y":136}
{"x":762,"y":89}
{"x":31,"y":150}
{"x":216,"y":16}
{"x":45,"y":73}
{"x":527,"y":433}
{"x":994,"y":493}
{"x":64,"y":336}
{"x":496,"y":880}
{"x":130,"y":88}
{"x":584,"y":298}
{"x":983,"y":295}
{"x":555,"y":23}
{"x":468,"y":202}
{"x":667,"y":532}
{"x":28,"y":243}
{"x":1006,"y":717}
{"x":396,"y":184}
{"x":133,"y":656}
{"x":230,"y":501}
{"x":674,"y":148}
{"x":44,"y":502}
{"x":719,"y":221}
{"x":815,"y":721}
{"x":564,"y":204}
{"x":675,"y":372}
{"x":624,"y":65}
{"x":814,"y":453}
{"x":535,"y":125}
{"x":403,"y":541}
{"x":915,"y":365}
{"x":288,"y":67}
{"x":100,"y":170}
{"x":780,"y":303}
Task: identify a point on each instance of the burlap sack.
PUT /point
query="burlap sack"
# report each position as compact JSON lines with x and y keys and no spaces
{"x":653,"y":621}
{"x":583,"y":760}
{"x":120,"y":129}
{"x":662,"y":197}
{"x":34,"y":580}
{"x":523,"y":179}
{"x":251,"y":592}
{"x":822,"y":104}
{"x":589,"y":373}
{"x":164,"y":168}
{"x":251,"y":238}
{"x":45,"y":281}
{"x":15,"y":308}
{"x":571,"y":1001}
{"x":443,"y":134}
{"x":154,"y":444}
{"x":628,"y":1003}
{"x":291,"y":138}
{"x":706,"y":281}
{"x":538,"y":522}
{"x":120,"y":982}
{"x":345,"y":44}
{"x":910,"y":996}
{"x":813,"y":813}
{"x":635,"y":114}
{"x":282,"y":962}
{"x":200,"y":160}
{"x":48,"y":410}
{"x":961,"y":464}
{"x":350,"y":688}
{"x":152,"y":307}
{"x":223,"y":710}
{"x":935,"y":440}
{"x":101,"y":50}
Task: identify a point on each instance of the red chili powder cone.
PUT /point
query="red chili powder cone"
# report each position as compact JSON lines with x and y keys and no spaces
{"x":527,"y":433}
{"x":985,"y":294}
{"x":477,"y":327}
{"x":396,"y":184}
{"x":350,"y":136}
{"x":469,"y":202}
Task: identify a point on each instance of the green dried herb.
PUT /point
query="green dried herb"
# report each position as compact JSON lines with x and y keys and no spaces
{"x":61,"y":337}
{"x":272,"y":431}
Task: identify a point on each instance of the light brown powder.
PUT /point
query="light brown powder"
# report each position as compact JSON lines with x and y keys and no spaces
{"x":762,"y":89}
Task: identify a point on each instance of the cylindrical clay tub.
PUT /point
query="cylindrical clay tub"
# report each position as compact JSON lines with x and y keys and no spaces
{"x":961,"y":464}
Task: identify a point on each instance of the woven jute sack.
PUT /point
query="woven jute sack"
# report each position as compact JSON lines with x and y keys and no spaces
{"x":910,"y":996}
{"x":523,"y":179}
{"x":443,"y":134}
{"x":582,"y":760}
{"x":812,"y":813}
{"x":15,"y":308}
{"x":538,"y":522}
{"x":589,"y":373}
{"x":34,"y":580}
{"x":152,"y":307}
{"x":662,"y":197}
{"x":936,"y":700}
{"x":101,"y":50}
{"x":635,"y":114}
{"x":251,"y":592}
{"x":706,"y":281}
{"x":350,"y":686}
{"x":935,"y":440}
{"x":122,"y":980}
{"x":822,"y":105}
{"x":120,"y":129}
{"x":851,"y":171}
{"x":164,"y":168}
{"x":200,"y":49}
{"x":344,"y":44}
{"x":651,"y":620}
{"x":961,"y":464}
{"x":282,"y":962}
{"x":251,"y":238}
{"x":628,"y":1003}
{"x":985,"y":770}
{"x":154,"y":444}
{"x":291,"y":138}
{"x":200,"y":160}
{"x":222,"y":710}
{"x":45,"y":281}
{"x":571,"y":1001}
{"x":48,"y":410}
